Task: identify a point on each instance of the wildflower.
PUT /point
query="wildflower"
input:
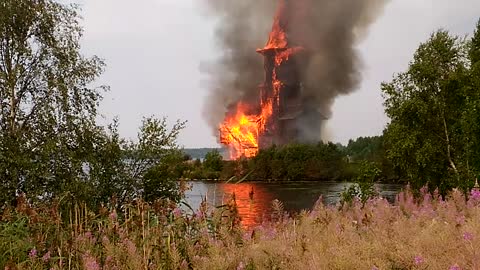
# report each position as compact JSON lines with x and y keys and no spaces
{"x":418,"y":260}
{"x":467,"y":236}
{"x":375,"y":268}
{"x":241,"y":266}
{"x":87,"y":238}
{"x":475,"y":194}
{"x":109,"y":260}
{"x":455,"y":267}
{"x":90,"y":263}
{"x":184,"y":265}
{"x":33,"y":253}
{"x":46,"y":257}
{"x":177,"y":212}
{"x":130,"y":246}
{"x":248,"y":236}
{"x":110,"y":264}
{"x":269,"y":233}
{"x":88,"y":235}
{"x":460,"y":220}
{"x":105,"y":240}
{"x":339,"y":228}
{"x":199,"y":215}
{"x":113,"y":215}
{"x":424,"y":191}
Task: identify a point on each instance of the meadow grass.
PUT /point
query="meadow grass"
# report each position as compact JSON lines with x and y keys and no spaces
{"x":427,"y":232}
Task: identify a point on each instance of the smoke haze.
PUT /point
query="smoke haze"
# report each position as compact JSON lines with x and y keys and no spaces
{"x":328,"y":29}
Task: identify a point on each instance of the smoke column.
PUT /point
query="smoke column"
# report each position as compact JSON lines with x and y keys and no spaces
{"x":328,"y":29}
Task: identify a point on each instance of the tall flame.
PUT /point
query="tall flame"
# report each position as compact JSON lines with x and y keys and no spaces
{"x":278,"y":36}
{"x":241,"y":131}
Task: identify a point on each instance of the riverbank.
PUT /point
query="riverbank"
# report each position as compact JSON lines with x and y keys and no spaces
{"x":424,"y":233}
{"x":271,"y":181}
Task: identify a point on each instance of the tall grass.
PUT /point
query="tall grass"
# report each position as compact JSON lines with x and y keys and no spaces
{"x":414,"y":233}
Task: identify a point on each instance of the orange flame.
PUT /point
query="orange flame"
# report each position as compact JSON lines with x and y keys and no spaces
{"x":278,"y":37}
{"x":241,"y":131}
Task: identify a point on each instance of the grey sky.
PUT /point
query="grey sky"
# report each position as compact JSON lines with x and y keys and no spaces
{"x":153,"y":50}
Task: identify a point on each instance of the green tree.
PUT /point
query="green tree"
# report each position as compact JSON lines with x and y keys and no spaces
{"x":154,"y":163}
{"x":474,"y":50}
{"x":471,"y":118}
{"x":295,"y":162}
{"x":213,"y":161}
{"x":365,"y":148}
{"x":47,"y":103}
{"x":364,"y":186}
{"x":50,"y":144}
{"x":426,"y":104}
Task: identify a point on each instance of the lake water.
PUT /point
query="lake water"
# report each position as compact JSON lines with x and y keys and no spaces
{"x":254,"y":199}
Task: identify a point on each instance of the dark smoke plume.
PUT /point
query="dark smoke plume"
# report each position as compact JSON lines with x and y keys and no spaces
{"x":328,"y":29}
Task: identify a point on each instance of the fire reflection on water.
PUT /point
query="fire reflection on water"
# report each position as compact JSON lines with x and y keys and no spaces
{"x":254,"y":199}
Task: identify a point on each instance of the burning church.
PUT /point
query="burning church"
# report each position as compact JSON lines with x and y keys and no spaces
{"x":276,"y":115}
{"x":309,"y":60}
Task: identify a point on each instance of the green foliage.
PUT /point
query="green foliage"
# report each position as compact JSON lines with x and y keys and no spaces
{"x":365,"y":148}
{"x":373,"y":149}
{"x":154,"y":163}
{"x":213,"y":161}
{"x":298,"y":162}
{"x":363,"y":189}
{"x":162,"y":180}
{"x":471,"y":117}
{"x":474,"y":51}
{"x":432,"y":130}
{"x":14,"y":244}
{"x":48,"y":106}
{"x":50,"y":144}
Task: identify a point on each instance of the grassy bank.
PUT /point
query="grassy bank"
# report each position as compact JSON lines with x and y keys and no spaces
{"x":425,"y":233}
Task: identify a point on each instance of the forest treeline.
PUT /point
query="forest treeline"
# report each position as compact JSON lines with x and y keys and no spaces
{"x":299,"y":162}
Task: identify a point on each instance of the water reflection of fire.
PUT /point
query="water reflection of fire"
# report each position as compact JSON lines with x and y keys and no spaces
{"x":252,"y":202}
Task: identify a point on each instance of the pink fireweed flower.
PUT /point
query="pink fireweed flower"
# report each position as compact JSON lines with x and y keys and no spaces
{"x":109,"y":260}
{"x":241,"y":266}
{"x":475,"y":194}
{"x":33,"y":253}
{"x":248,"y":235}
{"x":467,"y":236}
{"x":455,"y":267}
{"x":177,"y":212}
{"x":90,"y":263}
{"x":130,"y":246}
{"x":105,"y":240}
{"x":418,"y":260}
{"x":460,"y":220}
{"x":375,"y":268}
{"x":113,"y":215}
{"x":87,"y":238}
{"x":184,"y":265}
{"x":46,"y":257}
{"x":199,"y":215}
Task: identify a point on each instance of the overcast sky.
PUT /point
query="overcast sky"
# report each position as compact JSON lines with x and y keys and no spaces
{"x":153,"y":50}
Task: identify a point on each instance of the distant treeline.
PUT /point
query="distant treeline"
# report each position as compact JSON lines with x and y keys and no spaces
{"x":200,"y":153}
{"x":298,"y":162}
